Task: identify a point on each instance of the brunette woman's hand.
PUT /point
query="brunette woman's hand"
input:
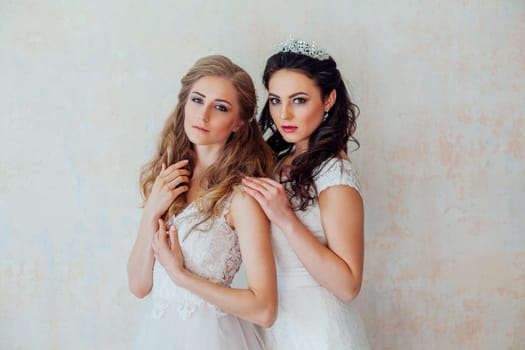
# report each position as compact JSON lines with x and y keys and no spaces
{"x":167,"y":251}
{"x":169,"y":184}
{"x":272,"y":198}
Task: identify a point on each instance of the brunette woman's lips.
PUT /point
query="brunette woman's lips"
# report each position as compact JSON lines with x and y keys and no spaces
{"x":199,"y":128}
{"x":288,"y":128}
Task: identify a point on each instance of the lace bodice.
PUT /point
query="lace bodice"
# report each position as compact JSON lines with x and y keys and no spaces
{"x":291,"y":271}
{"x":211,"y":250}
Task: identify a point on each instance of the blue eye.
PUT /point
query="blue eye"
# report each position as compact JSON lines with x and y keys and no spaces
{"x":274,"y":100}
{"x":221,"y":108}
{"x":299,"y":100}
{"x":196,"y":99}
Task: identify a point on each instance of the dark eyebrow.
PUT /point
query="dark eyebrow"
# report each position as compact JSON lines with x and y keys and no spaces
{"x":291,"y":96}
{"x":298,"y":93}
{"x":204,"y":96}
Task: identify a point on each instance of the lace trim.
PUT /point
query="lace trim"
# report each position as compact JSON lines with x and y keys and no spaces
{"x":185,"y":305}
{"x":337,"y":172}
{"x":213,"y":254}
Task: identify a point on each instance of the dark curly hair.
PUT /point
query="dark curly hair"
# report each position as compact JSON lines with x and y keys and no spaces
{"x":327,"y":141}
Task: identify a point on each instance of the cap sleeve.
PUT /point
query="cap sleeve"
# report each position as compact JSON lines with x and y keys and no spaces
{"x":335,"y":172}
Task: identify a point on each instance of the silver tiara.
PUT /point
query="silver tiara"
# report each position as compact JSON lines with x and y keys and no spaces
{"x":303,"y":48}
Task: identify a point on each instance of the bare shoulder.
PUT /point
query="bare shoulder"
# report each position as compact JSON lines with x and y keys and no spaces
{"x":241,"y":200}
{"x":244,"y":209}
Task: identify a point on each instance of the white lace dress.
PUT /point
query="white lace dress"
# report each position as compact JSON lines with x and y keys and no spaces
{"x":181,"y":320}
{"x":311,"y":317}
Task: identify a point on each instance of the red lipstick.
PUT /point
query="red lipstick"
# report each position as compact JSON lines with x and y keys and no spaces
{"x":288,"y":128}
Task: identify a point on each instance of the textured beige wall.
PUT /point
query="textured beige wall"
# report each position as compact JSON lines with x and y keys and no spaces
{"x":86,"y":85}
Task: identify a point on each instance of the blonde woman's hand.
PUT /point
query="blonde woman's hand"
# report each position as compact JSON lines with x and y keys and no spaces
{"x":167,"y":251}
{"x":272,"y":198}
{"x":169,"y":184}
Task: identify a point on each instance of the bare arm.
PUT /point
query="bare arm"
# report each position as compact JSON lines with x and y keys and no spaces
{"x":140,"y":262}
{"x":337,"y":267}
{"x":141,"y":259}
{"x":257,"y":303}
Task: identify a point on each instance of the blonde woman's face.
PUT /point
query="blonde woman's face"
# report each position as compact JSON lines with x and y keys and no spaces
{"x":211,"y":111}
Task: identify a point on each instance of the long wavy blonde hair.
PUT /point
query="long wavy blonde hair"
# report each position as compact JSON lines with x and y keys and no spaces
{"x":245,"y":154}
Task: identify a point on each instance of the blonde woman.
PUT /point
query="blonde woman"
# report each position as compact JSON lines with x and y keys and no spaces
{"x":196,"y":223}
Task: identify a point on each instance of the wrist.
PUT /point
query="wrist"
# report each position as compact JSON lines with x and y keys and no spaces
{"x":289,"y":224}
{"x":179,"y":275}
{"x":149,"y":216}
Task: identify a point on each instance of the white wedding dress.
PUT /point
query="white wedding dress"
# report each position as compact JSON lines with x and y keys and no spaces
{"x":180,"y":320}
{"x":309,"y":316}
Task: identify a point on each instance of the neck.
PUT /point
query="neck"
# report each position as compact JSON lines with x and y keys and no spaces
{"x":299,"y":148}
{"x":287,"y":161}
{"x":206,"y":156}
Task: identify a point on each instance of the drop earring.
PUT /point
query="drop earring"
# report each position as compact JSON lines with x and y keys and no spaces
{"x":325,"y":116}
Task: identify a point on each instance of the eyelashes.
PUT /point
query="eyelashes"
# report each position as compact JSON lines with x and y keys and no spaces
{"x":295,"y":100}
{"x":219,"y":106}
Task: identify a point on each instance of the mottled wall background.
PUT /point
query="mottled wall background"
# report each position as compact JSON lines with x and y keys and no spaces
{"x":86,"y":85}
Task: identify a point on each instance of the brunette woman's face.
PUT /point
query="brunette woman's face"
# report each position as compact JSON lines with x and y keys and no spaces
{"x":211,"y":111}
{"x":296,"y":106}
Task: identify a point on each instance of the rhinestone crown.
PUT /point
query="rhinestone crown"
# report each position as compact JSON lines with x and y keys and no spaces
{"x":303,"y":48}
